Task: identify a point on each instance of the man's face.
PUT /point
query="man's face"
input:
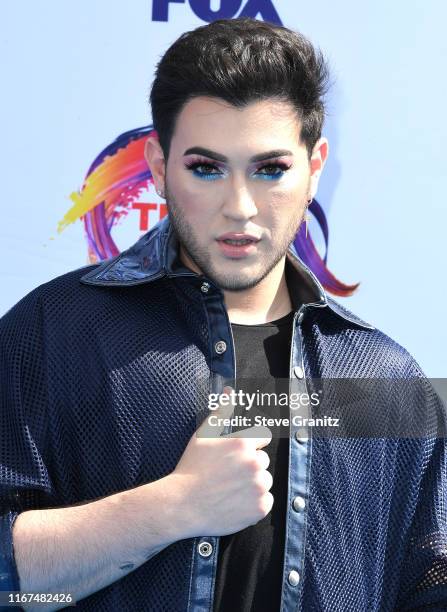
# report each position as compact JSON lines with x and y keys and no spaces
{"x":209,"y":196}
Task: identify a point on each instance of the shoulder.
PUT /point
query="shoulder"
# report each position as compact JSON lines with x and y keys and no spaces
{"x":51,"y":306}
{"x":65,"y":307}
{"x":380,"y":354}
{"x":386,"y":367}
{"x":57,"y":290}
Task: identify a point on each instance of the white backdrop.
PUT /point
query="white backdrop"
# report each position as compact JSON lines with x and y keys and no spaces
{"x":75,"y":75}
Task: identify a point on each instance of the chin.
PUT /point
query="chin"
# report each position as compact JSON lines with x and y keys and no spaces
{"x":235,"y":282}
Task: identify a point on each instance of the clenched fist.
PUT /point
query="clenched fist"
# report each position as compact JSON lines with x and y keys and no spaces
{"x":223,"y":480}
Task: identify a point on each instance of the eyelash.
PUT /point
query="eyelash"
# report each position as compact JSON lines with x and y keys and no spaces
{"x":208,"y":176}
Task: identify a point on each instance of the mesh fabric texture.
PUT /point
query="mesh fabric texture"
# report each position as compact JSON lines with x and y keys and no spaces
{"x":98,"y":396}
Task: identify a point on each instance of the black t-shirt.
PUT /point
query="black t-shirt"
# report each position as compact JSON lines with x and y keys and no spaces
{"x":250,"y":561}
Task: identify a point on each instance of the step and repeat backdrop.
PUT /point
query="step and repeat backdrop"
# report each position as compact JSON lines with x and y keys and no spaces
{"x":75,"y":80}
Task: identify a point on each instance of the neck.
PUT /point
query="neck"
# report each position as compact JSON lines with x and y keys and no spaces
{"x":267,"y":301}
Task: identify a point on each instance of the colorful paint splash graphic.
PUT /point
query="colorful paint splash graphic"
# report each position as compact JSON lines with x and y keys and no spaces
{"x":117,"y":178}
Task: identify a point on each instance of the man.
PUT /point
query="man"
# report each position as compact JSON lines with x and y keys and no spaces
{"x":108,"y":492}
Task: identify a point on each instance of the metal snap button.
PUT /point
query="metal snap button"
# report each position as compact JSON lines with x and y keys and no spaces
{"x":294,"y":577}
{"x":301,"y":436}
{"x":205,"y":549}
{"x":205,"y":287}
{"x":298,"y":372}
{"x":298,"y":503}
{"x":220,"y":347}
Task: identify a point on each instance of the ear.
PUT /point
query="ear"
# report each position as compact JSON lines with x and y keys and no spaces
{"x":153,"y":154}
{"x":317,"y":161}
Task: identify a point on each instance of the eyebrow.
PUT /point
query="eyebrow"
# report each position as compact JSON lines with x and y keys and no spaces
{"x":223,"y":158}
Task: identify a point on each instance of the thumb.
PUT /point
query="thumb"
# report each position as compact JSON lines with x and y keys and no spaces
{"x":224,"y":410}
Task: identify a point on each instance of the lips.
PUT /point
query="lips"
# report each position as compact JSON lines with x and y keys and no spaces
{"x":237,"y":245}
{"x":238,"y":236}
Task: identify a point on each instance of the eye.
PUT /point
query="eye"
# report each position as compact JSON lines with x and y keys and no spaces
{"x":278,"y":171}
{"x":203,"y":170}
{"x":207,"y":171}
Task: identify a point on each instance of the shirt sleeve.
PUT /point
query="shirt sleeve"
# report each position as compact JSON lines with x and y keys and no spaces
{"x":423,"y":584}
{"x":9,"y":579}
{"x":24,"y":478}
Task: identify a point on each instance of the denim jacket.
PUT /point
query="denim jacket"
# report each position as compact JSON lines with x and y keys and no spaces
{"x":98,"y":395}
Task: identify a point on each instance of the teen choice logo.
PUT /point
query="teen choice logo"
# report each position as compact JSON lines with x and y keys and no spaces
{"x":114,"y":186}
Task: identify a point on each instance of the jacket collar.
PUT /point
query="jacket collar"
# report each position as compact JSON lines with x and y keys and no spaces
{"x":155,"y":255}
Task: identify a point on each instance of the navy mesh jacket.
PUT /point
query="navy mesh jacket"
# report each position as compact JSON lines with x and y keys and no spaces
{"x":96,"y":397}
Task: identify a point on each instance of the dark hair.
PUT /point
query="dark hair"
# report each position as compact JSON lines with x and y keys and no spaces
{"x":240,"y":60}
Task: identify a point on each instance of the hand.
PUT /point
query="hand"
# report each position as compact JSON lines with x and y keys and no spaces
{"x":222,"y":480}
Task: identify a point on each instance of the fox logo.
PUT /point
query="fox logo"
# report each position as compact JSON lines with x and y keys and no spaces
{"x":227,"y":10}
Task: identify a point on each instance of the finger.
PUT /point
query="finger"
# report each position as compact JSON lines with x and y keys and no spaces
{"x":224,"y":410}
{"x":259,"y":435}
{"x":268,"y":502}
{"x":267,"y":480}
{"x":263,"y":459}
{"x":264,"y":440}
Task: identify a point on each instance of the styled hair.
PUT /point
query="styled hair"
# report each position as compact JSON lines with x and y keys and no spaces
{"x":240,"y":60}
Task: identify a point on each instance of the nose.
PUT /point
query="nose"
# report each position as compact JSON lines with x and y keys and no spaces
{"x":239,"y":204}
